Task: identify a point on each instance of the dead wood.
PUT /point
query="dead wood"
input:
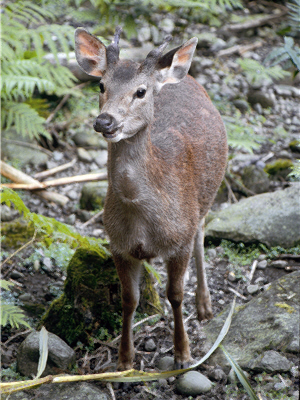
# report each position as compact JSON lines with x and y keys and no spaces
{"x":52,"y":171}
{"x":240,"y":49}
{"x":254,"y":23}
{"x":20,"y":177}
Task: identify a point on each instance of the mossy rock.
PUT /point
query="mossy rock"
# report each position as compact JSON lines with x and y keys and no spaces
{"x":295,"y":146}
{"x":91,"y":300}
{"x":279,"y":168}
{"x":16,"y":233}
{"x":256,"y":179}
{"x":93,"y":195}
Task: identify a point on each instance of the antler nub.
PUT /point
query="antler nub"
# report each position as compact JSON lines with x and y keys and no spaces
{"x":112,"y":51}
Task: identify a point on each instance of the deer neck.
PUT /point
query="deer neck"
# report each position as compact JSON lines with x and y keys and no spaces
{"x":127,"y":166}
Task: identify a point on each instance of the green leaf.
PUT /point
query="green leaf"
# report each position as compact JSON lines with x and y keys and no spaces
{"x":5,"y":284}
{"x":13,"y":315}
{"x":240,"y":374}
{"x":149,"y":267}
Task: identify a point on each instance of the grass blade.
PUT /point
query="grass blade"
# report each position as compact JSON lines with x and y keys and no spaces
{"x":240,"y":374}
{"x":43,"y":352}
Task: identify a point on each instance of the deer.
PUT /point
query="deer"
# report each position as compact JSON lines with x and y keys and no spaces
{"x":167,"y":152}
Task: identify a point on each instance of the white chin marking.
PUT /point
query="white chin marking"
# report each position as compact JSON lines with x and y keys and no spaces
{"x":116,"y":137}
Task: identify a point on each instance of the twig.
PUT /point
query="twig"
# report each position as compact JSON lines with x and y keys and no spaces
{"x":63,"y":101}
{"x":254,"y":265}
{"x":26,"y":144}
{"x":237,"y":293}
{"x":135,"y":325}
{"x":20,"y":177}
{"x":57,"y":182}
{"x":243,"y":188}
{"x":254,"y":23}
{"x":16,"y":252}
{"x":239,"y":48}
{"x":93,"y":219}
{"x":15,"y":336}
{"x":52,"y":171}
{"x":231,"y":194}
{"x":111,"y":392}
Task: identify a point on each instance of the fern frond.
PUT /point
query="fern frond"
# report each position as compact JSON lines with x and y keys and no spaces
{"x":255,"y":72}
{"x":13,"y":315}
{"x":5,"y":284}
{"x":292,"y":51}
{"x":24,"y":119}
{"x":13,"y":86}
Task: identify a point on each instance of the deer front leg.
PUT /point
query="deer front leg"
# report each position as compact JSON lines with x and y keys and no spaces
{"x":129,"y":274}
{"x":176,"y":270}
{"x":203,"y":302}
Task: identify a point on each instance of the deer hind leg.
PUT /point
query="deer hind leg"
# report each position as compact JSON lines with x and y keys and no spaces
{"x":203,"y":302}
{"x":129,"y":273}
{"x":176,"y":270}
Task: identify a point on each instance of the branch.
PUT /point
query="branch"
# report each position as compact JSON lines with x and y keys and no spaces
{"x":241,"y":49}
{"x":57,"y":182}
{"x":254,"y":23}
{"x":52,"y":171}
{"x":20,"y":177}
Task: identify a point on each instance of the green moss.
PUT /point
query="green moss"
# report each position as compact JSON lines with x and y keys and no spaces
{"x":295,"y":146}
{"x":285,"y":306}
{"x":16,"y":233}
{"x":149,"y":300}
{"x":91,"y":302}
{"x":281,"y":167}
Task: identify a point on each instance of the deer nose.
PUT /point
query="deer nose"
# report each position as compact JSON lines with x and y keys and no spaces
{"x":105,"y":123}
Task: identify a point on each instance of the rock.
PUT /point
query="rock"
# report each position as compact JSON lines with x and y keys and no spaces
{"x":260,"y":97}
{"x":286,"y":91}
{"x":91,"y":299}
{"x":7,"y":214}
{"x":270,"y":361}
{"x":71,"y":391}
{"x":16,"y":274}
{"x":269,"y":218}
{"x":193,"y":383}
{"x":93,"y":195}
{"x":232,"y":378}
{"x":166,"y":363}
{"x":84,"y":155}
{"x":241,"y":105}
{"x":256,"y":179}
{"x":150,"y":345}
{"x":167,"y":25}
{"x":47,"y":264}
{"x":87,"y":138}
{"x":25,"y":297}
{"x":60,"y":355}
{"x":217,"y":374}
{"x":294,"y":346}
{"x":71,"y":219}
{"x":268,"y":322}
{"x":279,"y":264}
{"x":99,"y":156}
{"x":252,"y":289}
{"x":262,"y":264}
{"x":294,"y":145}
{"x":23,"y":149}
{"x":211,"y":253}
{"x":279,"y":168}
{"x":218,"y":45}
{"x":144,"y":34}
{"x":206,"y":39}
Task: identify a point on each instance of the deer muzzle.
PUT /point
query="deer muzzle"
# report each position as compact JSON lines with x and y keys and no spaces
{"x":106,"y":124}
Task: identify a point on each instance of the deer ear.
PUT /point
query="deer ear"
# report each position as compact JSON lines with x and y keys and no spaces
{"x":90,"y":53}
{"x":174,"y":66}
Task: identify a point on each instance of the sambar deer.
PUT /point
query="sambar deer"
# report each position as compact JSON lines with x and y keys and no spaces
{"x":167,"y":153}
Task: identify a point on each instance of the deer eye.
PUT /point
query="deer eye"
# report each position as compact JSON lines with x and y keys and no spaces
{"x":101,"y":86}
{"x":140,"y":93}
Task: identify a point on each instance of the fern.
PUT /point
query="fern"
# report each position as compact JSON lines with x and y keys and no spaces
{"x":294,"y":14}
{"x":10,"y":314}
{"x":256,"y":72}
{"x":50,"y":230}
{"x":288,"y":52}
{"x":26,"y":35}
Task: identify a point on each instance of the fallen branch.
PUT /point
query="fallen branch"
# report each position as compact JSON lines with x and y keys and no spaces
{"x":30,"y":145}
{"x":57,"y":182}
{"x":254,"y":23}
{"x":240,"y":49}
{"x":18,"y":176}
{"x":52,"y":171}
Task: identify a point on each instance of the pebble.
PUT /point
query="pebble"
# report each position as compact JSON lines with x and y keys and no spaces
{"x":193,"y":383}
{"x":231,"y":277}
{"x":16,"y":275}
{"x":217,"y":374}
{"x":150,"y":345}
{"x":252,"y":289}
{"x":47,"y":264}
{"x":211,"y":253}
{"x":71,"y":219}
{"x":36,"y":265}
{"x":294,"y":371}
{"x":262,"y":264}
{"x":58,"y":155}
{"x":97,"y":232}
{"x":279,"y":264}
{"x":25,"y":297}
{"x":232,"y":378}
{"x":84,"y":155}
{"x":166,"y":363}
{"x":72,"y":194}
